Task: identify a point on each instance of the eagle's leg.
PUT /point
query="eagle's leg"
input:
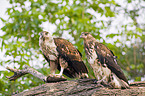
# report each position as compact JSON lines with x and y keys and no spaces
{"x":53,"y":67}
{"x":102,"y":82}
{"x":63,"y":64}
{"x":61,"y":72}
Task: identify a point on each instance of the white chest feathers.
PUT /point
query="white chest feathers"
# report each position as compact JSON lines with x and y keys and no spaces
{"x":100,"y":72}
{"x":49,"y":49}
{"x":91,"y":56}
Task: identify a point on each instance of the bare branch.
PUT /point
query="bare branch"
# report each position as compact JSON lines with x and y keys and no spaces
{"x":18,"y":73}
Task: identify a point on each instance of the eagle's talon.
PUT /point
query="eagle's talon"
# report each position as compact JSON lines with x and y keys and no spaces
{"x":102,"y":83}
{"x":99,"y":85}
{"x":96,"y":81}
{"x":58,"y":76}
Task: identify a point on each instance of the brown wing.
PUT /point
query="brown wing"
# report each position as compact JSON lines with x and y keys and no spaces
{"x":106,"y":56}
{"x":67,"y":51}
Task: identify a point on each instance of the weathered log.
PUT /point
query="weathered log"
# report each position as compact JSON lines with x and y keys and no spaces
{"x":81,"y":87}
{"x":85,"y":87}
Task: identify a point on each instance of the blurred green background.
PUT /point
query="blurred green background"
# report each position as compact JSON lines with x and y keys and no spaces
{"x":119,"y":24}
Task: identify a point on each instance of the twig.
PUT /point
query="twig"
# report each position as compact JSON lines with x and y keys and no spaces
{"x":17,"y":73}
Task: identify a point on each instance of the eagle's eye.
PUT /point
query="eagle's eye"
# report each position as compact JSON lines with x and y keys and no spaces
{"x":86,"y":33}
{"x":46,"y":33}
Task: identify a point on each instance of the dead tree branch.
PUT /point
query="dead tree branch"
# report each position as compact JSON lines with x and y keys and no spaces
{"x":80,"y":87}
{"x":18,"y":73}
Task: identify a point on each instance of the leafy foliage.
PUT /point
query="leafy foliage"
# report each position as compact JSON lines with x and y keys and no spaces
{"x":71,"y":17}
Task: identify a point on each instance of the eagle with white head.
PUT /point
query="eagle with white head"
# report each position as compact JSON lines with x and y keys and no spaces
{"x":103,"y":62}
{"x":62,"y":55}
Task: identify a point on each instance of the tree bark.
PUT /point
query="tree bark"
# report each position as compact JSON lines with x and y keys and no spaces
{"x":85,"y":87}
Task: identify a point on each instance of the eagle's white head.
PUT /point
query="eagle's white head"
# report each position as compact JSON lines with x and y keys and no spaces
{"x":45,"y":36}
{"x":86,"y":35}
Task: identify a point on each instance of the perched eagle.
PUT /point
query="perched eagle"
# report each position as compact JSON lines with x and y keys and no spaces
{"x":103,"y":62}
{"x":62,"y":55}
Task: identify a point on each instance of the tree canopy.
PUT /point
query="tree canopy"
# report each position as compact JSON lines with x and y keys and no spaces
{"x":118,"y":25}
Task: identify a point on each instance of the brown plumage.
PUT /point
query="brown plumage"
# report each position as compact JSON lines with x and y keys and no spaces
{"x":103,"y":62}
{"x":62,"y":55}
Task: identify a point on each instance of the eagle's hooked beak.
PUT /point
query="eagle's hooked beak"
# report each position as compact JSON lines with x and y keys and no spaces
{"x":40,"y":33}
{"x":82,"y":35}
